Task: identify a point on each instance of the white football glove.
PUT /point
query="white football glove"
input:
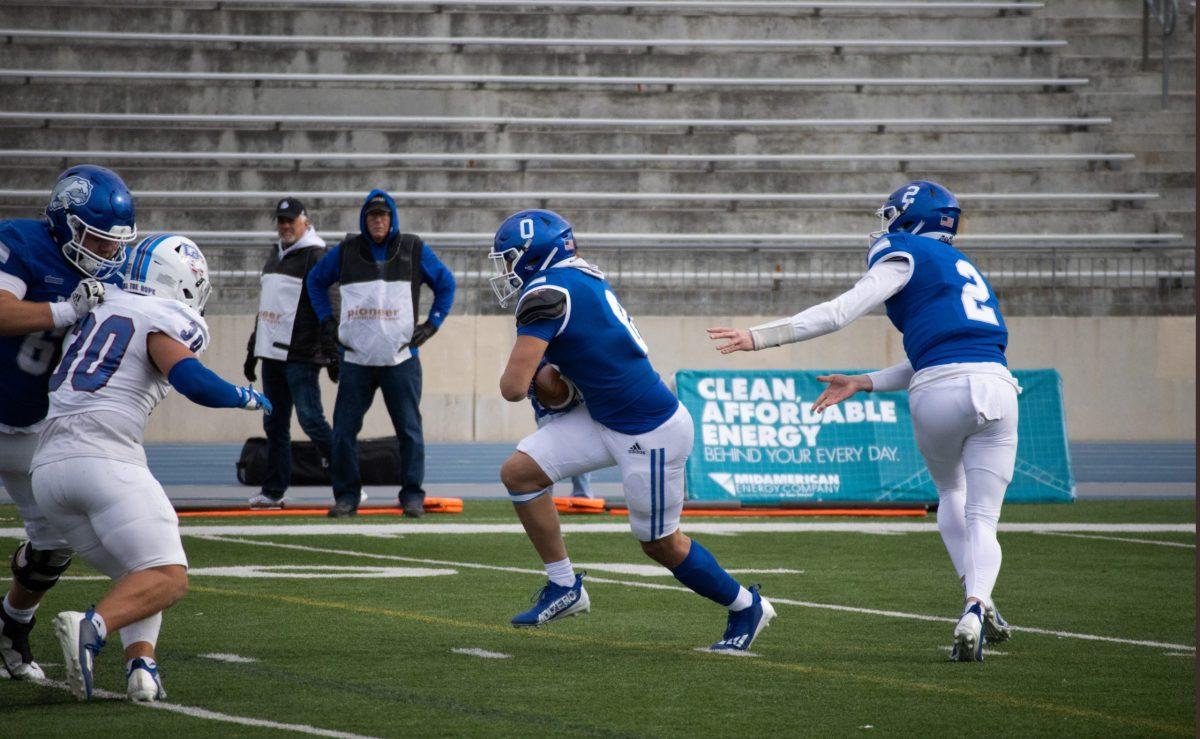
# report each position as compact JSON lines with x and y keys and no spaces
{"x":87,"y":295}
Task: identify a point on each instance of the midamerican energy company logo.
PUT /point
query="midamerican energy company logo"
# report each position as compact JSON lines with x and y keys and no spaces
{"x":783,"y":484}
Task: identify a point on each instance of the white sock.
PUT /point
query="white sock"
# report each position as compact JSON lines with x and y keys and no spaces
{"x":101,"y":627}
{"x":145,"y":630}
{"x":20,"y":615}
{"x":743,"y":600}
{"x":561,"y":572}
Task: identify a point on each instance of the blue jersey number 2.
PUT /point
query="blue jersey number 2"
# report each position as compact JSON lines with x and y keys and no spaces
{"x":106,"y":346}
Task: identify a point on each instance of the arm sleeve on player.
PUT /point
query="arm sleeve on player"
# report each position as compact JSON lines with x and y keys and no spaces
{"x":441,"y":280}
{"x":891,"y":378}
{"x":320,"y":278}
{"x":202,"y":386}
{"x":881,"y":282}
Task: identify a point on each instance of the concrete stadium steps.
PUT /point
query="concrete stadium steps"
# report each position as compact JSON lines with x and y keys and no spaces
{"x":344,"y":21}
{"x":960,"y":63}
{"x":1104,"y":45}
{"x":622,"y":102}
{"x":932,"y":150}
{"x":999,"y":181}
{"x":254,"y":215}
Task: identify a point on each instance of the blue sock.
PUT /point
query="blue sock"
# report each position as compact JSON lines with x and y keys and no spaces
{"x":700,"y":572}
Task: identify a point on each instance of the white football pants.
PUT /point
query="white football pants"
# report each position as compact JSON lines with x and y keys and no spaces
{"x":966,"y":429}
{"x":116,"y":516}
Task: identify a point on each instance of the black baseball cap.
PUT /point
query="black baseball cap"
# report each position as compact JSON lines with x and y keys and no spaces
{"x":377,"y":203}
{"x":290,"y":208}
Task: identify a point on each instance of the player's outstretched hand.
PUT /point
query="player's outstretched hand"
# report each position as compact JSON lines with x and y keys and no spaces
{"x":252,"y":400}
{"x":87,"y":295}
{"x":737,"y":339}
{"x":839,"y":388}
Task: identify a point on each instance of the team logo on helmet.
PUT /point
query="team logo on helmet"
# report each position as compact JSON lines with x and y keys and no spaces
{"x":70,"y":191}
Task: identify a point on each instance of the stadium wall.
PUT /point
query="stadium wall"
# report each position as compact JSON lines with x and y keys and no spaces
{"x":1125,"y":378}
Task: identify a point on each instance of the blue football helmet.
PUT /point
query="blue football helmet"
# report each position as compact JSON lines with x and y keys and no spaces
{"x":88,"y":200}
{"x":526,"y":243}
{"x":920,"y":207}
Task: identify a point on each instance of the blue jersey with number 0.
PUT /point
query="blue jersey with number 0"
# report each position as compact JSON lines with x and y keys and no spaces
{"x":29,"y":253}
{"x":947,"y":310}
{"x":596,"y":345}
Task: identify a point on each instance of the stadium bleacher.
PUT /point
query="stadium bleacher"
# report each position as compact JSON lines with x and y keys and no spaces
{"x":725,"y":125}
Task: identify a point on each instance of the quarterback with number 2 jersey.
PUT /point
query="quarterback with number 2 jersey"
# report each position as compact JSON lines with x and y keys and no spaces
{"x":962,"y":397}
{"x":568,"y":315}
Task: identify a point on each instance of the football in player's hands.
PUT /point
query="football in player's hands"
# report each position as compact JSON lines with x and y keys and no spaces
{"x":551,"y":390}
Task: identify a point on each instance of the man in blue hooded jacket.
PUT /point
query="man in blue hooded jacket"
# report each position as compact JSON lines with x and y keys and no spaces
{"x":380,"y":271}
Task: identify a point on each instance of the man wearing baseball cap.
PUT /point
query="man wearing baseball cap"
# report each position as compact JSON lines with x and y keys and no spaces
{"x":287,"y":338}
{"x":380,"y":271}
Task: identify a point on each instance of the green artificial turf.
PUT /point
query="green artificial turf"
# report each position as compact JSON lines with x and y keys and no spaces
{"x":375,"y":656}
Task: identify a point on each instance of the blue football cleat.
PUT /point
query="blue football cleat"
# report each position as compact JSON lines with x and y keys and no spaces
{"x":968,"y":636}
{"x":744,"y":625}
{"x":80,"y":644}
{"x":995,"y":628}
{"x":554,"y":602}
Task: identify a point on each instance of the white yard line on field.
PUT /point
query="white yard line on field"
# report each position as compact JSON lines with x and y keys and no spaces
{"x":204,"y":713}
{"x":661,"y":586}
{"x":223,"y":657}
{"x":622,"y":527}
{"x":1181,"y":545}
{"x":482,"y":653}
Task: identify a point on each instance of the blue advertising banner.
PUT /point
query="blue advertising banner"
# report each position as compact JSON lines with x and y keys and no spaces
{"x":758,"y":441}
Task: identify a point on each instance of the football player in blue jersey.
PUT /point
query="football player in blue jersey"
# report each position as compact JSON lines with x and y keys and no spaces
{"x":962,"y":397}
{"x":567,"y":313}
{"x":52,"y":273}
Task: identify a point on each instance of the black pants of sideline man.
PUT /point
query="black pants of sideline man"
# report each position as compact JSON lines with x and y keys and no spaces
{"x":288,"y":385}
{"x":401,"y":388}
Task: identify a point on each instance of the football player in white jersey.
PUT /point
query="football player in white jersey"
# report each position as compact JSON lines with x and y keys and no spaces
{"x":89,"y":469}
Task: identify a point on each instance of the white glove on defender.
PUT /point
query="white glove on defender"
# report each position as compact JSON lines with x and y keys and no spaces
{"x":87,"y":295}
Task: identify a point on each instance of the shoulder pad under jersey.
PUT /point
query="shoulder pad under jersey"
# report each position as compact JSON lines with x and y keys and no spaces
{"x":540,"y":303}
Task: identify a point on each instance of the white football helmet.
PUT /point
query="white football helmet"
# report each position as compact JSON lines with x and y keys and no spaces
{"x":169,"y":266}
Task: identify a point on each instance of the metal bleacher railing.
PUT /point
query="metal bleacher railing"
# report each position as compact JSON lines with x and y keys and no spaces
{"x":741,"y":279}
{"x":527,"y":80}
{"x":234,"y":120}
{"x":254,"y":198}
{"x":510,"y":42}
{"x":1166,"y":12}
{"x":472,"y":157}
{"x":620,"y":6}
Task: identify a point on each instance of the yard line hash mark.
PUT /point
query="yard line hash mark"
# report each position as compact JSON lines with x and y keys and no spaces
{"x":223,"y":657}
{"x":482,"y":653}
{"x":661,"y":586}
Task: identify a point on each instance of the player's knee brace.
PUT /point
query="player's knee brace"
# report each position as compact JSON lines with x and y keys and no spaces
{"x":37,"y":570}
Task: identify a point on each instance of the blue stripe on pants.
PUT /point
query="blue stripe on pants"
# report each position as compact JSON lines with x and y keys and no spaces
{"x":662,"y":491}
{"x":654,"y":499}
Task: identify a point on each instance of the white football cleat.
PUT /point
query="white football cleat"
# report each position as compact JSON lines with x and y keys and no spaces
{"x":968,"y":636}
{"x":80,"y":643}
{"x":995,"y":628}
{"x":144,"y":684}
